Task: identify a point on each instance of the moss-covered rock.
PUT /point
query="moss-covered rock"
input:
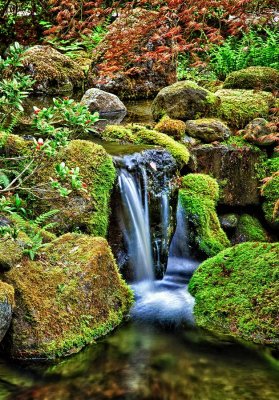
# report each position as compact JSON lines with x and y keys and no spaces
{"x":249,"y":229}
{"x":88,"y":211}
{"x":53,"y":72}
{"x":13,"y":145}
{"x":208,"y":129}
{"x":11,"y":252}
{"x":239,"y":107}
{"x":237,"y":293}
{"x":270,"y":193}
{"x":198,"y":195}
{"x":72,"y":295}
{"x":6,"y":307}
{"x":262,"y":78}
{"x":138,"y":134}
{"x":184,"y":100}
{"x":172,"y":127}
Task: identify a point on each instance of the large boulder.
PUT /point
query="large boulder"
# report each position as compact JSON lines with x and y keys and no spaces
{"x":237,"y":293}
{"x":119,"y":63}
{"x":6,"y":307}
{"x":260,"y":78}
{"x":207,"y":129}
{"x":198,"y":196}
{"x":184,"y":100}
{"x":54,"y":73}
{"x":87,"y":210}
{"x":66,"y":299}
{"x":235,"y":167}
{"x":239,"y":107}
{"x":104,"y":103}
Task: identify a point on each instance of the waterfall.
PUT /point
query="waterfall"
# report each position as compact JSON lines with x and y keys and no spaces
{"x":137,"y":224}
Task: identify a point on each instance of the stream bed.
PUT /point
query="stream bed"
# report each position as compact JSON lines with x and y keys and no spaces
{"x":147,"y":362}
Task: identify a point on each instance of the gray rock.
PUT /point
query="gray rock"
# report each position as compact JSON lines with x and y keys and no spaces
{"x":184,"y":100}
{"x":104,"y":103}
{"x":207,"y":129}
{"x":6,"y":307}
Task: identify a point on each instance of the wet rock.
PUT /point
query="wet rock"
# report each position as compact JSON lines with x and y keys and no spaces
{"x":261,"y":133}
{"x":239,"y":107}
{"x":139,"y":78}
{"x":184,"y":100}
{"x":207,"y":129}
{"x":198,"y":195}
{"x":70,"y":296}
{"x":6,"y":307}
{"x":229,"y":221}
{"x":236,"y":293}
{"x":249,"y":229}
{"x":54,"y":73}
{"x":106,"y":104}
{"x":260,"y":78}
{"x":235,"y":168}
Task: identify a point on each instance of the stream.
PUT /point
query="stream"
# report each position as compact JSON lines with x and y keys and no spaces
{"x":159,"y":353}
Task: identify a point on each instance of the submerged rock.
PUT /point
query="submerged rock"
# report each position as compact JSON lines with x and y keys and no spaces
{"x":6,"y":307}
{"x":127,"y":72}
{"x":54,"y":73}
{"x":239,"y":107}
{"x":207,"y":129}
{"x":260,"y":78}
{"x":66,"y":299}
{"x":237,"y":293}
{"x":87,"y":210}
{"x":184,"y":100}
{"x":106,"y":104}
{"x":234,"y":167}
{"x":198,"y":196}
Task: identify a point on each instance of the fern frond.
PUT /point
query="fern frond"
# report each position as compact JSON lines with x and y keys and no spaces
{"x":43,"y":217}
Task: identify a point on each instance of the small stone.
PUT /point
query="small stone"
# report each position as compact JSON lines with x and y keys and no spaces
{"x":103,"y":102}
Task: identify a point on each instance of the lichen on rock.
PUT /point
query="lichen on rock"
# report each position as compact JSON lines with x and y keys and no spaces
{"x":172,"y":127}
{"x":236,"y":293}
{"x":69,"y":297}
{"x":198,"y":196}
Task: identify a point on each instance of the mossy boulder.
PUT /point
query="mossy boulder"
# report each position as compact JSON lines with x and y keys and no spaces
{"x":208,"y":129}
{"x":13,"y":145}
{"x":87,"y":210}
{"x":69,"y":297}
{"x":261,"y":78}
{"x":171,"y":127}
{"x":54,"y":73}
{"x":239,"y":107}
{"x":237,"y":293}
{"x":138,"y":134}
{"x":270,"y":194}
{"x":249,"y":229}
{"x":6,"y":307}
{"x":198,"y":196}
{"x":11,"y":252}
{"x":184,"y":100}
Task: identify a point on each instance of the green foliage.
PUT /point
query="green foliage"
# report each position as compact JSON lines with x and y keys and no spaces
{"x":236,"y":292}
{"x":255,"y":48}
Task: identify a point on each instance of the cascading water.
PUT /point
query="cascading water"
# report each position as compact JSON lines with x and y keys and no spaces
{"x":166,"y":300}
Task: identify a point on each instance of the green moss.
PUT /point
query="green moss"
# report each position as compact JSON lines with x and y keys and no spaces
{"x":198,"y":196}
{"x":239,"y":107}
{"x":172,"y":127}
{"x":250,"y":229}
{"x":270,"y":193}
{"x":236,"y":292}
{"x":10,"y":253}
{"x":138,"y":134}
{"x":7,"y":293}
{"x":238,"y":142}
{"x":263,"y":78}
{"x":13,"y":145}
{"x":66,"y":299}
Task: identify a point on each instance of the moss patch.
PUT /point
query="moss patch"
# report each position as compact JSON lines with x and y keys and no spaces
{"x":236,"y":292}
{"x":262,"y":78}
{"x":249,"y":229}
{"x":239,"y":107}
{"x":138,"y":134}
{"x":72,"y":295}
{"x":198,"y":196}
{"x":270,"y":193}
{"x":172,"y":127}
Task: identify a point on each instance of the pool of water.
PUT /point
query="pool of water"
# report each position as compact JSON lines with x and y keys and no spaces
{"x":148,"y":362}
